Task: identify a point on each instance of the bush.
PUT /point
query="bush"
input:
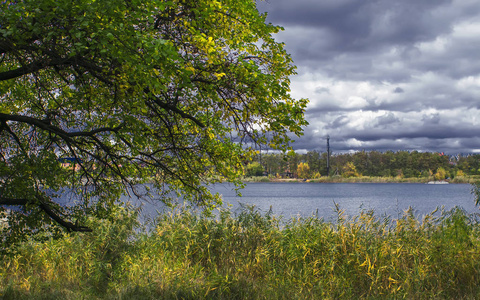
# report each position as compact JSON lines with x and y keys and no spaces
{"x":254,"y":169}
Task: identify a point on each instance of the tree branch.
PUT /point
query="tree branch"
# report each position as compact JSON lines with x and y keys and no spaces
{"x":33,"y":67}
{"x":49,"y":211}
{"x":54,"y":129}
{"x":172,"y":108}
{"x":68,"y":225}
{"x":13,"y":201}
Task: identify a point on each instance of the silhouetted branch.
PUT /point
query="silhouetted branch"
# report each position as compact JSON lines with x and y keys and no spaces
{"x":48,"y":210}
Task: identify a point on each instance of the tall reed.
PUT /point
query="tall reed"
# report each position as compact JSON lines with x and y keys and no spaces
{"x":253,"y":255}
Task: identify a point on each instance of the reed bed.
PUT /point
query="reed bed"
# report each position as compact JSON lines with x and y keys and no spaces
{"x":252,"y":255}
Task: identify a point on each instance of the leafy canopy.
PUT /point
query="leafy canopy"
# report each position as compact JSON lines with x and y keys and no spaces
{"x":129,"y":92}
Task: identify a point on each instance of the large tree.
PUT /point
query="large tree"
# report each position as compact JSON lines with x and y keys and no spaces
{"x":134,"y":91}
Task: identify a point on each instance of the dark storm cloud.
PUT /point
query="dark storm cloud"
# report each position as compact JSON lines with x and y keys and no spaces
{"x":385,"y":74}
{"x":355,"y":26}
{"x":435,"y":132}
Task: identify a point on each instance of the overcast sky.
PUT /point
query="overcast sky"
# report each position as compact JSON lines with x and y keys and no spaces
{"x":385,"y":74}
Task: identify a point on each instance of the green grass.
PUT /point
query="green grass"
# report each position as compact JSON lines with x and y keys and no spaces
{"x":252,"y":256}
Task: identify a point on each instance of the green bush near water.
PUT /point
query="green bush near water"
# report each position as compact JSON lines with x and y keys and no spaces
{"x":252,"y":256}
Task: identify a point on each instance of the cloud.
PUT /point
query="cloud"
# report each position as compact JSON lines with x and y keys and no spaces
{"x":386,"y":120}
{"x":432,"y":119}
{"x":391,"y":75}
{"x":338,"y":122}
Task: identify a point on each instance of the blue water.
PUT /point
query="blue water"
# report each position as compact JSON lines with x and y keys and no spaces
{"x":307,"y":199}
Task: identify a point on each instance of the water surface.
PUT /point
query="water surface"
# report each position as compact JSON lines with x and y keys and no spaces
{"x":307,"y":199}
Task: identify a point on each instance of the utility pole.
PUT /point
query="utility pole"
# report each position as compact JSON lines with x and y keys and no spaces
{"x":328,"y":156}
{"x":261,"y":154}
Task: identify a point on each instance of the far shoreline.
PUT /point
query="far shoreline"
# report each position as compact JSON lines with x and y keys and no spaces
{"x":361,"y":179}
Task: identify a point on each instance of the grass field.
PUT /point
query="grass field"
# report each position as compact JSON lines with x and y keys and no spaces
{"x":252,"y":255}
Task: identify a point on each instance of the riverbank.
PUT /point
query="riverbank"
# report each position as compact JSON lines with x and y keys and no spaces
{"x":362,"y":179}
{"x":249,"y":256}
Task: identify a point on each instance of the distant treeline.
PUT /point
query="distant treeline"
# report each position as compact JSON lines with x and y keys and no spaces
{"x":403,"y":164}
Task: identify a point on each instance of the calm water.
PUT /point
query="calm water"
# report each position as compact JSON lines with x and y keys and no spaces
{"x":306,"y":199}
